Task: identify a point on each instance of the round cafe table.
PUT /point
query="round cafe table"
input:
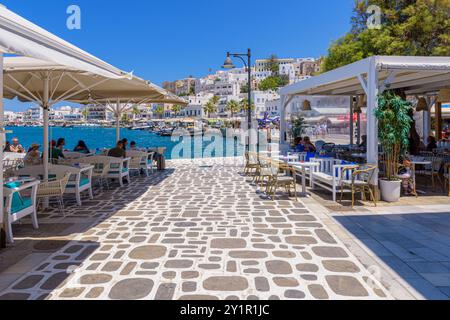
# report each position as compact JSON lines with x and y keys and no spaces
{"x":302,"y":167}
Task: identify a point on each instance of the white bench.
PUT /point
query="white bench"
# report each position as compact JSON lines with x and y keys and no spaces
{"x":328,"y":175}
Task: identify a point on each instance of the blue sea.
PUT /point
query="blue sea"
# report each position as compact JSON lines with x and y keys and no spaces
{"x":99,"y":138}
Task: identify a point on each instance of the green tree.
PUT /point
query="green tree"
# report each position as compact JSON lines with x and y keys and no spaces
{"x":211,"y":105}
{"x":273,"y":83}
{"x":393,"y":114}
{"x":159,"y":111}
{"x":135,"y":112}
{"x":233,"y":107}
{"x":176,"y":109}
{"x":274,"y":65}
{"x":125,"y":118}
{"x":85,"y":113}
{"x":244,"y":105}
{"x":298,"y":127}
{"x":244,"y":88}
{"x":408,"y":27}
{"x":269,"y":83}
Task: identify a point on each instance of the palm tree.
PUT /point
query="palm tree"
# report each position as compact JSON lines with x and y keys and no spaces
{"x":176,"y":109}
{"x":159,"y":111}
{"x":85,"y":113}
{"x":135,"y":112}
{"x":244,"y":105}
{"x":211,"y":105}
{"x":233,"y":107}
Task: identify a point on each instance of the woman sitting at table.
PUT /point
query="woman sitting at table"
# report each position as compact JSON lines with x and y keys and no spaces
{"x":307,"y":144}
{"x":56,"y":150}
{"x":33,"y":156}
{"x":81,"y":147}
{"x":432,"y":144}
{"x":299,"y":147}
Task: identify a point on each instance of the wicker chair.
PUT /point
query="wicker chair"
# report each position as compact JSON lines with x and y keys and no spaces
{"x":54,"y":189}
{"x":100,"y":173}
{"x":251,"y":163}
{"x":359,"y":182}
{"x":432,"y":171}
{"x":263,"y":172}
{"x":282,"y":175}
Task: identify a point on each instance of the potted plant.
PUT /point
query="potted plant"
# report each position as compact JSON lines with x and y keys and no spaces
{"x":394,"y":125}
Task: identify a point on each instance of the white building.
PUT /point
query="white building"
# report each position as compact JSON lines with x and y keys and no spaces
{"x":34,"y":114}
{"x":260,"y":98}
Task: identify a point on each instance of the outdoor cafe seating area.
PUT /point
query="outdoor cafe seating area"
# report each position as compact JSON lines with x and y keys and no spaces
{"x":342,"y":170}
{"x":26,"y":190}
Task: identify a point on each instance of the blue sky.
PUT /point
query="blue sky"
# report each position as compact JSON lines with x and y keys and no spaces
{"x":168,"y":40}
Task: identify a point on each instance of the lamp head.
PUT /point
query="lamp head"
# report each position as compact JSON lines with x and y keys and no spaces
{"x":228,"y":64}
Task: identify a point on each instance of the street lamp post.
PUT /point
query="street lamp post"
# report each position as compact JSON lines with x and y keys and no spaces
{"x":228,"y":64}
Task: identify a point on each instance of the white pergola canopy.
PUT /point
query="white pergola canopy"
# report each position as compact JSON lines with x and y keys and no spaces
{"x":24,"y":78}
{"x":416,"y":75}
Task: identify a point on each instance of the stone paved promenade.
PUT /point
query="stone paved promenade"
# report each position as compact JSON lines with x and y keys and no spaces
{"x":199,"y":230}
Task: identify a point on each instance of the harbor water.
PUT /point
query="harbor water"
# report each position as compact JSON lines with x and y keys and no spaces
{"x":99,"y":138}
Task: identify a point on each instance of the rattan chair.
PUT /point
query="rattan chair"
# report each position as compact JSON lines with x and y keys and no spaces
{"x":432,"y":170}
{"x":282,"y":175}
{"x":251,"y":163}
{"x":54,"y":189}
{"x":359,"y":182}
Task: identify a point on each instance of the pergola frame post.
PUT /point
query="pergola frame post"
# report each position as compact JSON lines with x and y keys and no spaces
{"x":372,"y":122}
{"x":352,"y":123}
{"x":2,"y":143}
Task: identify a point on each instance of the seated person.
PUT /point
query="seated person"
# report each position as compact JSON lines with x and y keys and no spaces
{"x":55,"y":152}
{"x":81,"y":147}
{"x":299,"y":147}
{"x":7,"y":147}
{"x":432,"y":144}
{"x":133,"y":145}
{"x":363,"y":144}
{"x":33,"y":156}
{"x":405,"y":173}
{"x":124,"y":144}
{"x":16,"y":147}
{"x":118,"y":151}
{"x":309,"y":147}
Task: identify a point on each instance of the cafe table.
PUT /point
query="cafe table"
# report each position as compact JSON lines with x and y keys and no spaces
{"x":302,"y":166}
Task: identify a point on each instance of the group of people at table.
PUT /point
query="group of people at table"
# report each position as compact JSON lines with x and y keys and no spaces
{"x":57,"y":149}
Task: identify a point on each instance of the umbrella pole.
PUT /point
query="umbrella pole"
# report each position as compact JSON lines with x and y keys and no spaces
{"x":117,"y":122}
{"x":46,"y":130}
{"x":2,"y":143}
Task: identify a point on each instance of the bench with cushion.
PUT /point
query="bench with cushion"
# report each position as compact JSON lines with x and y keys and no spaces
{"x":328,"y":175}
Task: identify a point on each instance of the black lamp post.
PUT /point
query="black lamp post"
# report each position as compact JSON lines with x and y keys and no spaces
{"x":228,"y":64}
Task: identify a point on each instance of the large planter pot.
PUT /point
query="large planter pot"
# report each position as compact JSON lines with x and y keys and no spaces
{"x":390,"y":190}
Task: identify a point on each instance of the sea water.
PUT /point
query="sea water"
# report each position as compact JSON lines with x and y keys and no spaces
{"x":99,"y":138}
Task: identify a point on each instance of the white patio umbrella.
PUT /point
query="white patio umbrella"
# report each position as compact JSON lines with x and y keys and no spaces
{"x":46,"y":83}
{"x":21,"y":37}
{"x":123,"y":105}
